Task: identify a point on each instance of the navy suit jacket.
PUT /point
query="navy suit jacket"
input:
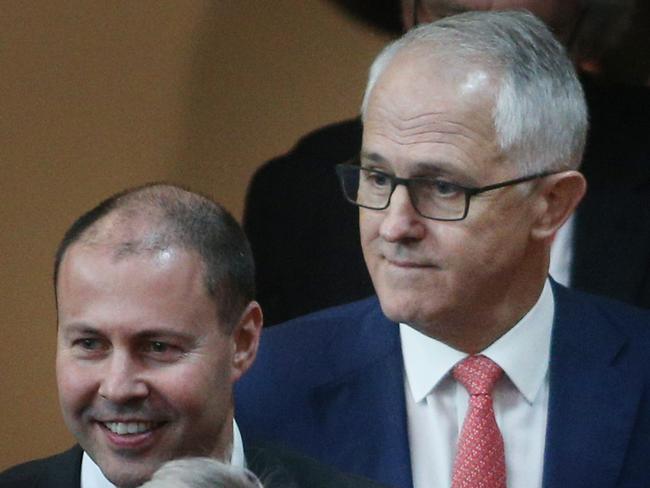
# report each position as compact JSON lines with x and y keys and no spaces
{"x":331,"y":385}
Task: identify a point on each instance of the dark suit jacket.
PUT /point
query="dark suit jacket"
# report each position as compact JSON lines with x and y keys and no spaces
{"x":305,"y":237}
{"x":331,"y":385}
{"x":275,"y":467}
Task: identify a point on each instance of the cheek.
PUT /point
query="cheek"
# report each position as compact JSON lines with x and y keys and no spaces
{"x":369,"y":224}
{"x":466,"y":251}
{"x":75,"y":384}
{"x":193,"y":388}
{"x":77,"y":389}
{"x":494,"y":245}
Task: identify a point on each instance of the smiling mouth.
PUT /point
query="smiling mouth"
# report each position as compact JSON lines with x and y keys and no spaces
{"x":130,"y":428}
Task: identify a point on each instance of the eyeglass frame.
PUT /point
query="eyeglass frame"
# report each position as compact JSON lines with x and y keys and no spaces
{"x":469,"y":191}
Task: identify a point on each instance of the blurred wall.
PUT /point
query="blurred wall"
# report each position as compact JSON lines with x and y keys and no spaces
{"x":98,"y":96}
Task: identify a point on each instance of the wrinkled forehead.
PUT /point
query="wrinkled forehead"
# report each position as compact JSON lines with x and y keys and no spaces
{"x":423,"y":78}
{"x":417,"y":110}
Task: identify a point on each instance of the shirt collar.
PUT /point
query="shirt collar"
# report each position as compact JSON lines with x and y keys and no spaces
{"x":523,"y":352}
{"x":92,"y":476}
{"x":237,"y":457}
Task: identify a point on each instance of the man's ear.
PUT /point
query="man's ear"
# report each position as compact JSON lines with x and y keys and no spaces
{"x":558,"y":195}
{"x":246,"y":339}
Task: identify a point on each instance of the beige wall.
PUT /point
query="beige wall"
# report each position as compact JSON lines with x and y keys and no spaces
{"x":97,"y":96}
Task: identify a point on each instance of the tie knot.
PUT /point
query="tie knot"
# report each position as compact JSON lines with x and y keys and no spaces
{"x":477,"y":374}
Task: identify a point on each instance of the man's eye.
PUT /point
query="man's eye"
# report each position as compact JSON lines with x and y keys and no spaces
{"x":158,"y":346}
{"x":162,"y":351}
{"x":89,"y":347}
{"x":444,"y":188}
{"x":378,"y":179}
{"x":89,"y":344}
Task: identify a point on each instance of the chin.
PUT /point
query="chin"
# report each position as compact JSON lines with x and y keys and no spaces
{"x":127,"y":473}
{"x":419,"y":311}
{"x":127,"y":480}
{"x":397,"y":308}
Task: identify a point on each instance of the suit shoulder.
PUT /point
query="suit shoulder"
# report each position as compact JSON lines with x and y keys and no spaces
{"x":334,"y":141}
{"x":628,"y":320}
{"x":32,"y":472}
{"x":336,"y":138}
{"x":331,"y":144}
{"x":278,"y":466}
{"x":280,"y":187}
{"x":628,"y":316}
{"x":321,"y":325}
{"x":296,"y":356}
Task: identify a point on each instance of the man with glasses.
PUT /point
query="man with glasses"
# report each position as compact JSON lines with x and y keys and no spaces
{"x":471,"y":367}
{"x":305,"y":238}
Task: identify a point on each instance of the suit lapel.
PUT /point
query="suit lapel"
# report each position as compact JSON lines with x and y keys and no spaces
{"x":62,"y":470}
{"x":593,"y":398}
{"x":362,"y":408}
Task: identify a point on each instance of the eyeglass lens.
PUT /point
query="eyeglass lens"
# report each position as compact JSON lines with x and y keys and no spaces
{"x":432,"y":198}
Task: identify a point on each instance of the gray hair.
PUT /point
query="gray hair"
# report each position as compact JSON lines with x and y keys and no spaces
{"x":539,"y":114}
{"x":201,"y":473}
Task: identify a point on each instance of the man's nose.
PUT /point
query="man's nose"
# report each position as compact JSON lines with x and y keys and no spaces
{"x":123,"y":380}
{"x":401,"y":220}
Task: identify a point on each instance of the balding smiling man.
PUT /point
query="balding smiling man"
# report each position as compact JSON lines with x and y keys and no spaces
{"x":471,"y":367}
{"x":156,"y":321}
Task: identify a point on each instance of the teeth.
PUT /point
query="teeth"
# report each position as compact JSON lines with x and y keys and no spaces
{"x":123,"y":428}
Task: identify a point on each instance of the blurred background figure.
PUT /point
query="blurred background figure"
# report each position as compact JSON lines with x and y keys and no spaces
{"x":305,"y":241}
{"x":201,"y":473}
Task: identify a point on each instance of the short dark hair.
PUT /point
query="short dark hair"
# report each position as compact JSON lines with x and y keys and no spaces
{"x":185,"y":219}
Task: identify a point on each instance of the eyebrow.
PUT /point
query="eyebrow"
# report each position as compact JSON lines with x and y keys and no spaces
{"x":433,"y":167}
{"x":84,"y":328}
{"x":78,"y":327}
{"x":163,"y":333}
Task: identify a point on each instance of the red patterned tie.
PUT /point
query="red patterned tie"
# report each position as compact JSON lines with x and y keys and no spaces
{"x":480,"y":459}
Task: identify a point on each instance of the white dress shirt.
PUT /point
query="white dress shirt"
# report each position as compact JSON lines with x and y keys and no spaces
{"x":92,"y":476}
{"x":436,"y":404}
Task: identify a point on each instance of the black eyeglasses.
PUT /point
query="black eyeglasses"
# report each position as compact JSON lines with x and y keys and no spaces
{"x":432,"y":198}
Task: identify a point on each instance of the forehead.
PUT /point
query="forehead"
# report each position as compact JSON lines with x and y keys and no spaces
{"x":97,"y":285}
{"x":428,"y":75}
{"x":423,"y":107}
{"x":111,"y":262}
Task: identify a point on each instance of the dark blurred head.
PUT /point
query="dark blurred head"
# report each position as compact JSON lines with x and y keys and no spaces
{"x":603,"y":37}
{"x":560,"y":15}
{"x":608,"y":38}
